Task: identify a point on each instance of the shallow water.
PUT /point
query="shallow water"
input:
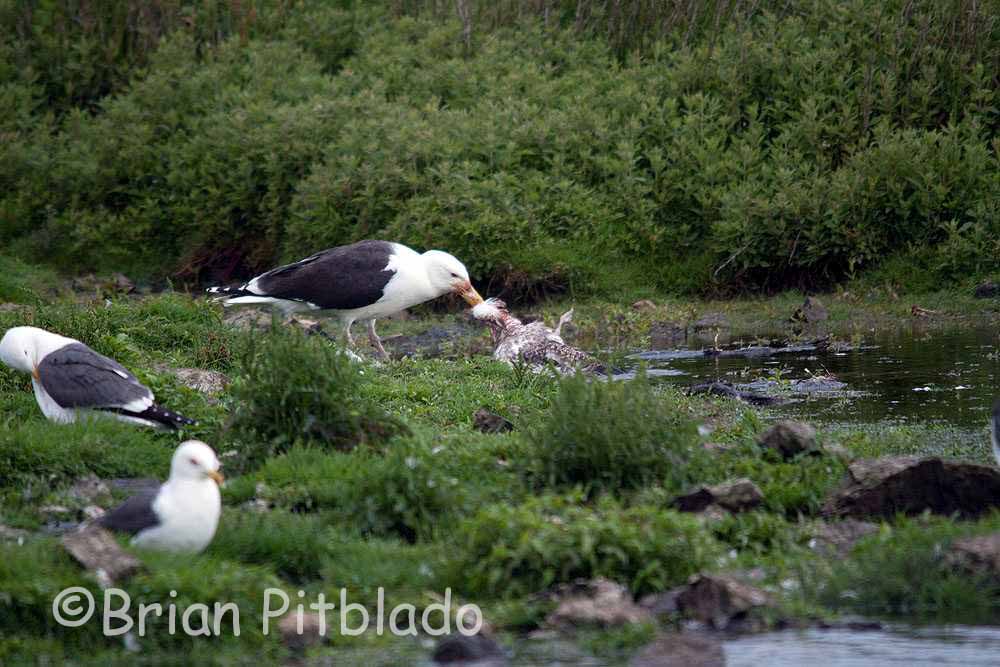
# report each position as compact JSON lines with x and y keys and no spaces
{"x":907,"y":375}
{"x":950,"y":645}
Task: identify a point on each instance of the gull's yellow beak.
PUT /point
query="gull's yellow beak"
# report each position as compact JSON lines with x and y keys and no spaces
{"x":469,"y":293}
{"x":217,"y":476}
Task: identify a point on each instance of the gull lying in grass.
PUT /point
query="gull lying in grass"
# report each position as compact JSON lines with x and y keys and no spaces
{"x":179,"y":515}
{"x":71,"y":380}
{"x":534,"y":344}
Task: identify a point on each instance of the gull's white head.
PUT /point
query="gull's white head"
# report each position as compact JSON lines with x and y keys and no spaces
{"x":19,"y":348}
{"x":195,"y":461}
{"x":447,"y":274}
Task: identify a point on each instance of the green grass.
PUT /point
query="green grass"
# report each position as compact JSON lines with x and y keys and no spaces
{"x":445,"y":505}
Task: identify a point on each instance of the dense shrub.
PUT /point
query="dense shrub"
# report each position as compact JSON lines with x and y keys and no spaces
{"x":608,"y":436}
{"x":294,"y":388}
{"x":767,"y":145}
{"x":515,"y":550}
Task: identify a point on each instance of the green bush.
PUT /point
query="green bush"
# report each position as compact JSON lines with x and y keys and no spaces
{"x":510,"y":550}
{"x":795,"y":144}
{"x":295,"y":388}
{"x":608,"y":436}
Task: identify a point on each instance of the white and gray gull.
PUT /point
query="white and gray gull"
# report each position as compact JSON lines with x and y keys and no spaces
{"x":361,"y":281}
{"x":180,"y":515}
{"x":72,"y":381}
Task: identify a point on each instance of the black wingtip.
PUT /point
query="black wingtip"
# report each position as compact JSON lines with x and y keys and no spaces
{"x":161,"y":417}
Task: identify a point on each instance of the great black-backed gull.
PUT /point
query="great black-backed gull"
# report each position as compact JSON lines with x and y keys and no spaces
{"x":179,"y":515}
{"x":71,"y":380}
{"x":362,"y":281}
{"x":533,"y":344}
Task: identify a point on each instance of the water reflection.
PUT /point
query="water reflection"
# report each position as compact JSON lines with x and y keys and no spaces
{"x":949,"y":376}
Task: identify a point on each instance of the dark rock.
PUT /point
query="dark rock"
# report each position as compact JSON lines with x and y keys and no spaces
{"x":811,"y":310}
{"x":665,"y":335}
{"x":98,"y":551}
{"x":488,"y":422}
{"x":789,"y":438}
{"x":729,"y":391}
{"x":911,"y":484}
{"x":736,"y":496}
{"x":598,"y":602}
{"x":837,"y":539}
{"x":987,"y":290}
{"x":311,"y":635}
{"x":720,"y":601}
{"x":711,"y":321}
{"x":681,"y":649}
{"x":977,"y":556}
{"x":751,"y":352}
{"x":817,"y":384}
{"x":661,"y":604}
{"x":478,"y":649}
{"x":643,"y":305}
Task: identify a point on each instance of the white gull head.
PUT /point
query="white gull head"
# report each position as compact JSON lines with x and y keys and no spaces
{"x":22,"y":348}
{"x":446,"y":274}
{"x":195,"y":461}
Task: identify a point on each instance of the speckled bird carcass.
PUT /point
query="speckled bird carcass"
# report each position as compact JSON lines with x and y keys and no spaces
{"x":535,"y":345}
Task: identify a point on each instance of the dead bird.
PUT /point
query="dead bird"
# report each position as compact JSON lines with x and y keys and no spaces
{"x":534,"y":344}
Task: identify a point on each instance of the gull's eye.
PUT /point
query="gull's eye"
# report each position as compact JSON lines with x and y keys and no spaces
{"x":194,"y":462}
{"x":454,"y":275}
